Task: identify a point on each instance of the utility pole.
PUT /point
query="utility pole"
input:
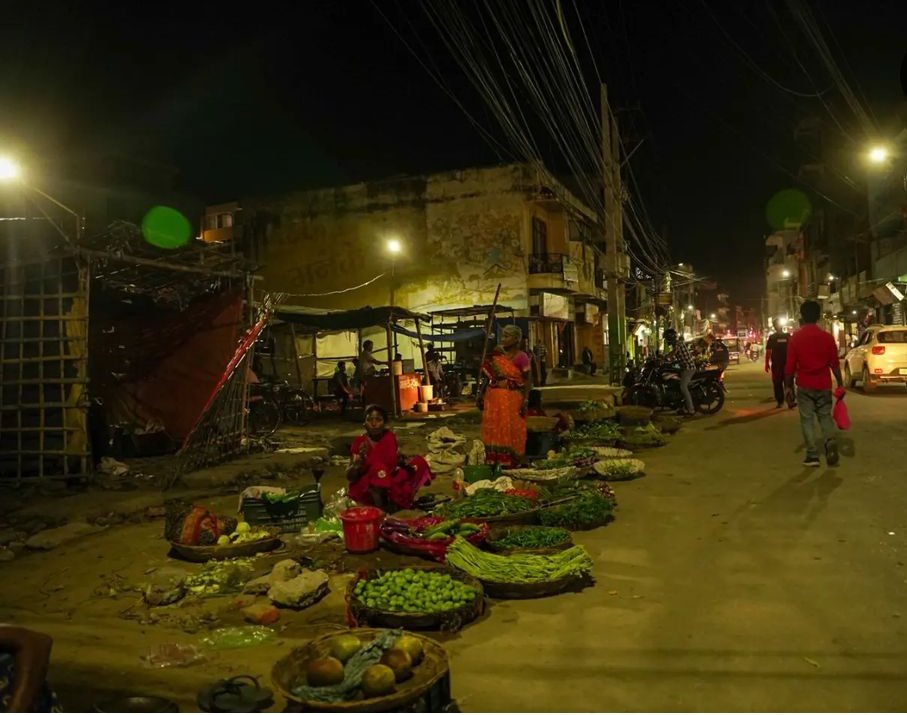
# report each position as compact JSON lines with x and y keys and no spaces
{"x":614,"y":245}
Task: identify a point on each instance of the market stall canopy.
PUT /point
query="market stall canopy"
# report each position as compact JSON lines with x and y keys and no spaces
{"x":316,"y":319}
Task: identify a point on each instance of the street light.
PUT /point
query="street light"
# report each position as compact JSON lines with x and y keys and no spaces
{"x":11,"y":172}
{"x":713,"y":316}
{"x":9,"y":169}
{"x":831,"y":277}
{"x":394,"y":247}
{"x":878,"y":154}
{"x":690,"y":307}
{"x":785,"y":273}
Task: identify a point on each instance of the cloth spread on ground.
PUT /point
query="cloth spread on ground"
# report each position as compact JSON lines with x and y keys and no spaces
{"x":443,"y":450}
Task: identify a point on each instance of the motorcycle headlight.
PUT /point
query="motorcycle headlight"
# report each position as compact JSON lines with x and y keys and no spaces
{"x":275,"y":388}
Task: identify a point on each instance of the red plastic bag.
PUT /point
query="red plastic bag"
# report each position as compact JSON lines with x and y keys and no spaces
{"x":839,"y":411}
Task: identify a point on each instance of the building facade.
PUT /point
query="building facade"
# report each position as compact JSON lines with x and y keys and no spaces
{"x":458,"y":235}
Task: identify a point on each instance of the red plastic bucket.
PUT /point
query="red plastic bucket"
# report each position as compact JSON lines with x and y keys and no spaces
{"x":360,"y":528}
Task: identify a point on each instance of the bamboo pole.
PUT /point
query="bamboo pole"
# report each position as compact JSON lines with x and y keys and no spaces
{"x":394,"y":401}
{"x":425,"y":377}
{"x":488,"y":325}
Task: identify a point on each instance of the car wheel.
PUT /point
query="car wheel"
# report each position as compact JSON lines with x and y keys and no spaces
{"x":867,"y":383}
{"x":848,"y":377}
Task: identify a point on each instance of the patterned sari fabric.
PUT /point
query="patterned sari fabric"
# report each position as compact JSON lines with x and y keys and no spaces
{"x":503,"y":429}
{"x":383,"y":471}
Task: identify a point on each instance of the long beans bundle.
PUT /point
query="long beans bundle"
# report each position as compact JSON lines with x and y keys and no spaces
{"x":519,"y":568}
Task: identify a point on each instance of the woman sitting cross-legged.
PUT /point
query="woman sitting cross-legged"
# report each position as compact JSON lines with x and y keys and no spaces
{"x":379,"y":475}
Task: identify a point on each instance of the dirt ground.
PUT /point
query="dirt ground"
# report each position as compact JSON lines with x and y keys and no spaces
{"x":732,"y":579}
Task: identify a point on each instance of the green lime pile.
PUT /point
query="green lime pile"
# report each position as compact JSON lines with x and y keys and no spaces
{"x":414,"y":591}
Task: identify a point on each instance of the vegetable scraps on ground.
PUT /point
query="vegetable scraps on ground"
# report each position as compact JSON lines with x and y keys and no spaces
{"x":414,"y":591}
{"x":519,"y":568}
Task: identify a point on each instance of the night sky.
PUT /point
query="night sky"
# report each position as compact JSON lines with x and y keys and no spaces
{"x":273,"y":96}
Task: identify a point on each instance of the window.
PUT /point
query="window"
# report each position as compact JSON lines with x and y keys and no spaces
{"x":539,"y":236}
{"x":867,"y":336}
{"x":225,"y":220}
{"x":893,"y":336}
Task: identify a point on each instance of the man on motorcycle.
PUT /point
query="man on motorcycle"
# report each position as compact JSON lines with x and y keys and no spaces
{"x":680,"y":353}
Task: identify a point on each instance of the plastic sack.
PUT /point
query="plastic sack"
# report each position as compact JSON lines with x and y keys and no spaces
{"x":839,"y":412}
{"x":169,"y":655}
{"x":238,"y":637}
{"x":337,"y":504}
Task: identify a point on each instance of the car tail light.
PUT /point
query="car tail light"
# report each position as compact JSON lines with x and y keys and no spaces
{"x":878,"y":350}
{"x":878,"y":371}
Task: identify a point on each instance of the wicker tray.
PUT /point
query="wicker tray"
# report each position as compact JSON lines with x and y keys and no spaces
{"x":536,"y":590}
{"x":360,"y":614}
{"x":288,"y":672}
{"x":201,"y":554}
{"x":499,"y":534}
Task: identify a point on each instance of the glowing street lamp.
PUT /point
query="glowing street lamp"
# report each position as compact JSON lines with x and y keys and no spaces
{"x":690,"y":307}
{"x":393,"y":246}
{"x":878,"y":154}
{"x":11,"y":172}
{"x":713,"y":316}
{"x":9,"y":169}
{"x":785,"y":273}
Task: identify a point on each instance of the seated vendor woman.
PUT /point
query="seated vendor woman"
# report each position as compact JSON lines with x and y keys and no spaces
{"x":379,"y":475}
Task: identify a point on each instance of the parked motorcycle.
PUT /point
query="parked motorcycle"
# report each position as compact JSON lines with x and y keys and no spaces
{"x":658,"y":386}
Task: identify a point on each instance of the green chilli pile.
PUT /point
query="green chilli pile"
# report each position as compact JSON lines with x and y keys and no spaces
{"x":518,"y":568}
{"x":414,"y":591}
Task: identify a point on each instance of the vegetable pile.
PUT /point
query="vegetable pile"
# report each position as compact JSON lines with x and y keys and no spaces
{"x":519,"y":568}
{"x":242,"y":534}
{"x":533,"y":537}
{"x":589,"y":510}
{"x":485,"y":503}
{"x":353,"y":668}
{"x":593,"y":406}
{"x":616,"y":470}
{"x":414,"y":591}
{"x":569,"y":457}
{"x":595,"y":432}
{"x":648,"y":436}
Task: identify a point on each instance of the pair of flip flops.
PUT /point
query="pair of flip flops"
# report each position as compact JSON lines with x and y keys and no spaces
{"x":241,"y":694}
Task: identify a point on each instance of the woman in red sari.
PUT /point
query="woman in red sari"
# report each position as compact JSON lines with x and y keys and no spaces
{"x":379,"y":475}
{"x":505,"y":386}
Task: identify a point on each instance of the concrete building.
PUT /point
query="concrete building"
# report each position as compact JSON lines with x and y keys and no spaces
{"x":459,"y":234}
{"x":783,"y":269}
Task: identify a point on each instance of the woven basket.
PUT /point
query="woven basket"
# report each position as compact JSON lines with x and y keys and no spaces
{"x":536,"y":590}
{"x":201,"y":554}
{"x":499,"y":534}
{"x":289,"y":672}
{"x":358,"y":614}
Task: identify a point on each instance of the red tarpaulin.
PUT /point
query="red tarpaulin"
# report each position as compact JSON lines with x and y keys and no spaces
{"x":162,"y":367}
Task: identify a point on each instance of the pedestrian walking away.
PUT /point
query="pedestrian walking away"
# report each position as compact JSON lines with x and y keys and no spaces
{"x":811,"y":355}
{"x":541,"y":355}
{"x":776,"y":359}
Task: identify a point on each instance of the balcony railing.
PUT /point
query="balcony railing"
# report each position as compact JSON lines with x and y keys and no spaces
{"x":546,"y":263}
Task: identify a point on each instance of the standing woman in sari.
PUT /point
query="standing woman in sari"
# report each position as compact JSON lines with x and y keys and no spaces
{"x":502,"y":397}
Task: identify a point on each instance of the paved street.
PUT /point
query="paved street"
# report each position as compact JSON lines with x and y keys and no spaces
{"x":733,"y":579}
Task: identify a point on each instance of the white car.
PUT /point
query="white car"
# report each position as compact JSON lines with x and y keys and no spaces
{"x":879,"y":358}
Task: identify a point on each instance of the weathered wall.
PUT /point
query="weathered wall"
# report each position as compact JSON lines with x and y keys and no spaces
{"x":462,"y":233}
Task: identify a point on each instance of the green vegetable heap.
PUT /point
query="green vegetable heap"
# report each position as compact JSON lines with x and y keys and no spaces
{"x":533,"y":537}
{"x":519,"y":568}
{"x":566,"y":458}
{"x":589,"y":510}
{"x":414,"y":591}
{"x":593,"y":406}
{"x":485,"y":503}
{"x":648,"y":436}
{"x":599,"y":431}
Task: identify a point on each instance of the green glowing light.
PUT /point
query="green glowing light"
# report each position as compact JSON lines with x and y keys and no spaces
{"x":166,"y":228}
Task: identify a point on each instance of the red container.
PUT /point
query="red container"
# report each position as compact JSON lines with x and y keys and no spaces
{"x":360,"y":528}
